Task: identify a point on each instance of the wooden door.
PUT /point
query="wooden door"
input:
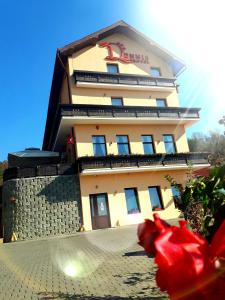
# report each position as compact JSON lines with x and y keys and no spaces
{"x":99,"y":211}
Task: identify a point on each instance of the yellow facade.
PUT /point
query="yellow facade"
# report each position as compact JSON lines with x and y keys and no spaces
{"x":114,"y":186}
{"x":92,"y":58}
{"x":130,"y":98}
{"x":84,"y":133}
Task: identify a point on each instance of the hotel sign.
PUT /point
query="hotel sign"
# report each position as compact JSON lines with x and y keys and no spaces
{"x":123,"y":56}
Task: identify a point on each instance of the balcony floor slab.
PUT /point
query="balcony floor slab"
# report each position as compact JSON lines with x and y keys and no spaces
{"x":104,"y":171}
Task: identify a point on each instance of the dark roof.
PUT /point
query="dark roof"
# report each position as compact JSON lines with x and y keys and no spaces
{"x":32,"y":158}
{"x":62,"y":54}
{"x":34,"y":153}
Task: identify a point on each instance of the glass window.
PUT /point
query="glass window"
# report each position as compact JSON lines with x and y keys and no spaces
{"x":99,"y":205}
{"x":161,"y":103}
{"x":155,"y":197}
{"x":99,"y":145}
{"x":112,"y":68}
{"x":132,"y":200}
{"x":122,"y":144}
{"x":147,"y":141}
{"x":169,"y":143}
{"x":176,"y":195}
{"x":117,"y":101}
{"x":155,"y":72}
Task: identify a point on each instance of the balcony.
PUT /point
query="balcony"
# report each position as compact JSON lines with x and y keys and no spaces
{"x":140,"y":163}
{"x":123,"y":81}
{"x":108,"y":114}
{"x":69,"y":115}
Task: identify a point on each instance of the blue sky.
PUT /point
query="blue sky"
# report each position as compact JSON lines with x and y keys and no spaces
{"x":31,"y":31}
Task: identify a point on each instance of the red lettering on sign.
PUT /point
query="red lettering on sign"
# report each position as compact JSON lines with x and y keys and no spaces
{"x":122,"y":55}
{"x":131,"y":57}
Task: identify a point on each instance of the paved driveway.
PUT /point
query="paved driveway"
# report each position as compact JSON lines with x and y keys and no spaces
{"x":104,"y":264}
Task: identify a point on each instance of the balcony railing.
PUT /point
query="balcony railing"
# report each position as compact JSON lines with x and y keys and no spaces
{"x":119,"y":161}
{"x":125,"y":79}
{"x":42,"y":170}
{"x":109,"y":111}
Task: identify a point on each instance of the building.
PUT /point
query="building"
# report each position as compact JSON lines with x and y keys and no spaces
{"x":114,"y":130}
{"x":114,"y":110}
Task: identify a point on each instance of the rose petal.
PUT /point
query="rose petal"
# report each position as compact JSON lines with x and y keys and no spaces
{"x":147,"y":232}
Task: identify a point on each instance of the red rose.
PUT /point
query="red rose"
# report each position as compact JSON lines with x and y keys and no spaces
{"x":188,"y":268}
{"x":148,"y":232}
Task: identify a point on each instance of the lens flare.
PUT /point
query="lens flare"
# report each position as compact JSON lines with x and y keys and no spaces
{"x":71,"y":270}
{"x":75,"y":261}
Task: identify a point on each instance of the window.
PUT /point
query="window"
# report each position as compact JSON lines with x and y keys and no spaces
{"x":123,"y":144}
{"x":99,"y":145}
{"x":112,"y":68}
{"x":117,"y":101}
{"x":155,"y":72}
{"x":132,"y":200}
{"x":155,"y":197}
{"x":161,"y":103}
{"x":169,"y":143}
{"x":147,"y":141}
{"x":176,"y":195}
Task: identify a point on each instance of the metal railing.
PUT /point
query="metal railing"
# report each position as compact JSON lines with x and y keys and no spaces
{"x":86,"y":110}
{"x":120,"y":161}
{"x":42,"y":170}
{"x":127,"y":79}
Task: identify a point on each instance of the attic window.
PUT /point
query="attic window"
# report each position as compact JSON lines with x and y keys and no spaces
{"x":155,"y":72}
{"x":112,"y":68}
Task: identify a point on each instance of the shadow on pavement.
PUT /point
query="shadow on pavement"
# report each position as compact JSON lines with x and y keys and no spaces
{"x":137,"y":253}
{"x":51,"y":296}
{"x":135,"y":278}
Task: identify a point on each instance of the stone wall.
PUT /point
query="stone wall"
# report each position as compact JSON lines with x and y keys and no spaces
{"x":41,"y":206}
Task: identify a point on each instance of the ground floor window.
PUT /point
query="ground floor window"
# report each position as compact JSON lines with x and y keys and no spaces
{"x":176,"y":195}
{"x":155,"y":197}
{"x":132,"y":200}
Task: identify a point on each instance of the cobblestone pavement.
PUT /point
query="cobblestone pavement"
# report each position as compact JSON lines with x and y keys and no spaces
{"x":103,"y":264}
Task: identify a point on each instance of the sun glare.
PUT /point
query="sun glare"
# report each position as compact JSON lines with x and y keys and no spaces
{"x":71,"y":270}
{"x":194,"y":30}
{"x":195,"y":26}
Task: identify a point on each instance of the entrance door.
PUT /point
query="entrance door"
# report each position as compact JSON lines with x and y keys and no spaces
{"x":99,"y":211}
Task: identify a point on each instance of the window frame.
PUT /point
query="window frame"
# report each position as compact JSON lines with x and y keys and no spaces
{"x":155,"y":68}
{"x":93,"y":209}
{"x":136,"y":198}
{"x":152,"y":143}
{"x":100,"y":135}
{"x":128,"y":143}
{"x":116,"y":98}
{"x":158,"y":189}
{"x":174,"y":144}
{"x":162,"y":99}
{"x":115,"y":65}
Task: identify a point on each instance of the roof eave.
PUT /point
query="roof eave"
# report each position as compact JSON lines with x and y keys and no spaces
{"x":176,"y":63}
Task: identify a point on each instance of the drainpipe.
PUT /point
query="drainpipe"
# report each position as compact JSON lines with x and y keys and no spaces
{"x":67,"y":76}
